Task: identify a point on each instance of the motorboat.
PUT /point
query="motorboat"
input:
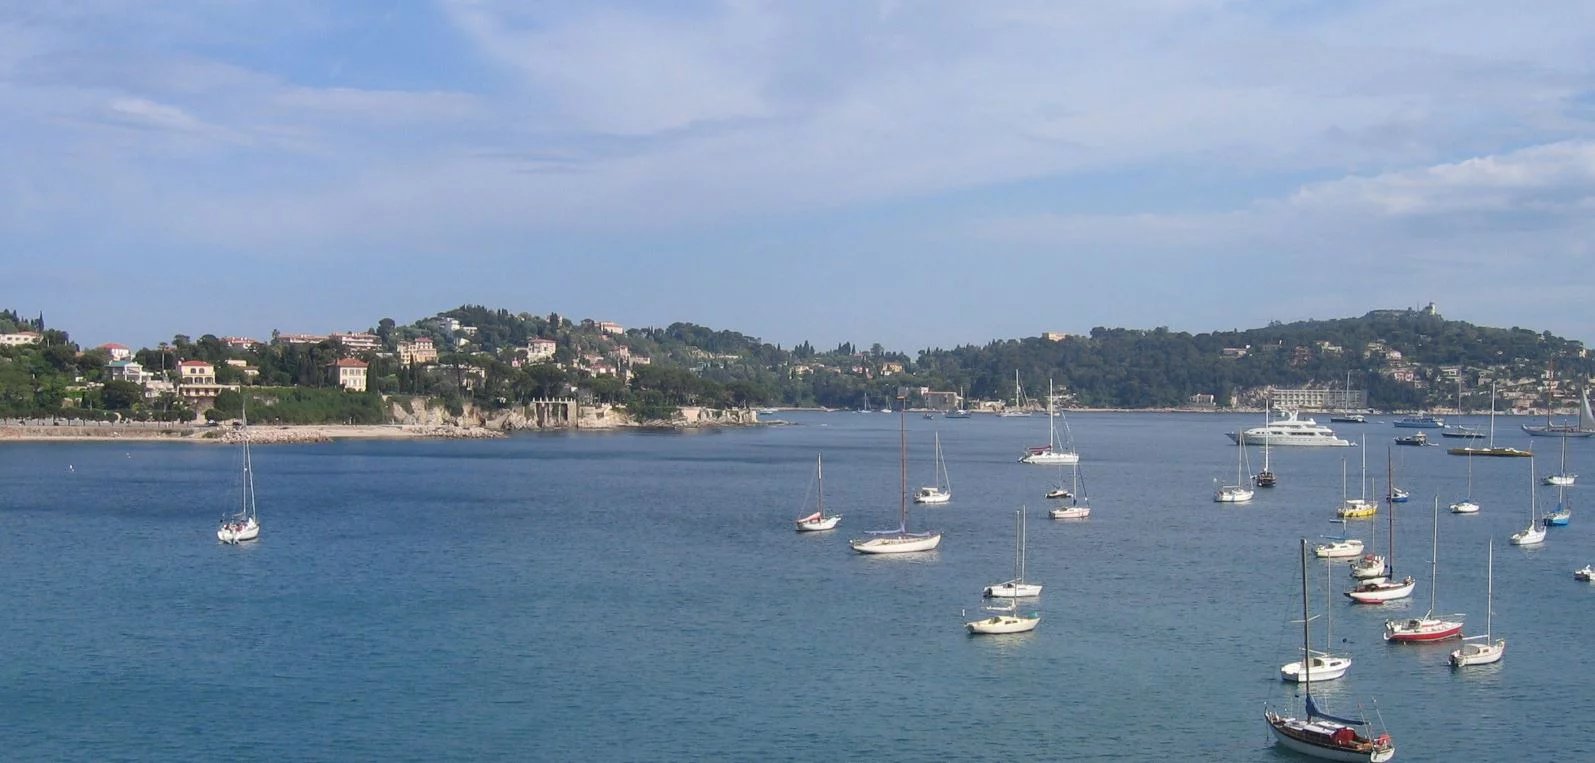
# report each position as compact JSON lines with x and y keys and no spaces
{"x":1416,"y":438}
{"x":1290,"y":429}
{"x":1348,"y":418}
{"x":1420,"y":422}
{"x":1585,"y":574}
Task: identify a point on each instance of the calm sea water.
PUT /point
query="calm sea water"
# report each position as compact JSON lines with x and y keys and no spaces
{"x":642,"y":596}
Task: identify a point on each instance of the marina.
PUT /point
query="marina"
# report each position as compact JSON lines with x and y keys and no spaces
{"x":414,"y":599}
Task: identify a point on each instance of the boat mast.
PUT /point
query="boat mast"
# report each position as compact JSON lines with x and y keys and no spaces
{"x":902,"y":462}
{"x":1434,"y":558}
{"x":819,"y":478}
{"x":1489,"y":593}
{"x":249,"y":476}
{"x":1306,"y":656}
{"x":1390,"y":504}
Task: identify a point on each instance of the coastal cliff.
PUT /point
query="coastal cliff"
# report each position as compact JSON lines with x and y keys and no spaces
{"x":560,"y":414}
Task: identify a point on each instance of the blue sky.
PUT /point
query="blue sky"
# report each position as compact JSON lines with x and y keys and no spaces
{"x":917,"y":174}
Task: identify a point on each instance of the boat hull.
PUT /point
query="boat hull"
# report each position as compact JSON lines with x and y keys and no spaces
{"x":1478,"y":654}
{"x":1421,"y":630}
{"x":1528,"y":537}
{"x":1324,"y":668}
{"x":1554,"y":431}
{"x":1051,"y":458}
{"x":1464,"y":507}
{"x":1379,"y":593}
{"x":238,"y":532}
{"x":1298,"y":737}
{"x":1233,"y":494}
{"x":1339,"y":549}
{"x":932,"y":495}
{"x":1011,"y":590}
{"x":1275,"y":440}
{"x":1491,"y":452}
{"x":816,"y":525}
{"x":1071,"y":512}
{"x":997,"y":624}
{"x":897,"y":544}
{"x":1561,"y":480}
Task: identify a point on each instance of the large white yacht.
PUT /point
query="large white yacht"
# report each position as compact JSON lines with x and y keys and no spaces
{"x":1289,"y":430}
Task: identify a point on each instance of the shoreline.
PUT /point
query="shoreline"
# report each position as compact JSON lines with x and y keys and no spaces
{"x":260,"y":434}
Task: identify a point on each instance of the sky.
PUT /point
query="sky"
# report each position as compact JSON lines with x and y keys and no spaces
{"x":918,"y":174}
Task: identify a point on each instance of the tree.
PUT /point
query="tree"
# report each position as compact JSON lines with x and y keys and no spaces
{"x":121,"y":395}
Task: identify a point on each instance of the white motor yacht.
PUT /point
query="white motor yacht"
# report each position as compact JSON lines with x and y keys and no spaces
{"x":1290,"y":430}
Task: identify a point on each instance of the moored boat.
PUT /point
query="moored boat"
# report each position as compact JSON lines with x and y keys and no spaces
{"x":1290,"y":430}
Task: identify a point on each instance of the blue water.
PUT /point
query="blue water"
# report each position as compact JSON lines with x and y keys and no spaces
{"x":642,"y":596}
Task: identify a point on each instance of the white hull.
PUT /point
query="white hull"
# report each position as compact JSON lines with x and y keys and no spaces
{"x":932,"y":495}
{"x":1233,"y":494}
{"x":1587,"y":574}
{"x":1338,"y":549}
{"x":1531,"y":536}
{"x":1059,"y":493}
{"x":1325,"y":667}
{"x":1561,"y":480}
{"x":1370,"y":568}
{"x":238,"y":532}
{"x":897,"y":544}
{"x":1290,"y":431}
{"x":1072,"y":512}
{"x":1478,"y":654}
{"x":1003,"y":624}
{"x":1422,"y":629}
{"x":1051,"y":458}
{"x":1279,"y":725}
{"x":815,"y":525}
{"x":1012,"y":590}
{"x":1464,"y":507}
{"x":1378,"y":593}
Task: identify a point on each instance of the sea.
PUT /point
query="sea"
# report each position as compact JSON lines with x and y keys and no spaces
{"x":642,"y":596}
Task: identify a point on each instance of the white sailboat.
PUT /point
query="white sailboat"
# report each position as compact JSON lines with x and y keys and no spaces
{"x":1020,"y":407}
{"x":899,"y":540}
{"x":1562,"y":478}
{"x":942,"y":491}
{"x":244,"y":525}
{"x":1486,"y":649}
{"x":1079,"y":501}
{"x":1324,"y":665}
{"x":1053,"y":452}
{"x":1429,"y":627}
{"x":1360,"y":507}
{"x":1534,"y":534}
{"x":818,"y":520}
{"x":1016,"y":586}
{"x":1467,"y":505}
{"x":1316,"y":733}
{"x":1238,"y":492}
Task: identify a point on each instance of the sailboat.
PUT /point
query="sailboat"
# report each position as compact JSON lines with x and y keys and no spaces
{"x":1380,"y":589}
{"x":960,"y":412}
{"x":1467,"y":505}
{"x":899,"y":540}
{"x":1429,"y":627}
{"x":942,"y":491}
{"x":1318,"y":734}
{"x":1325,"y":666}
{"x":1345,"y":416}
{"x":1079,"y":503}
{"x":1584,"y":428}
{"x":1564,"y":510}
{"x":1051,"y":452}
{"x":1562,"y":478}
{"x":1484,"y":649}
{"x":1460,"y":431}
{"x":1491,"y":450}
{"x":1534,"y":534}
{"x":1019,"y":407}
{"x":1266,"y":477}
{"x":1338,"y":547}
{"x":1017,"y":585}
{"x":1238,"y":492}
{"x":819,"y":520}
{"x":244,"y":525}
{"x":1360,"y":507}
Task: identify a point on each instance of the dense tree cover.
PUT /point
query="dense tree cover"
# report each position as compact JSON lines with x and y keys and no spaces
{"x":483,"y":359}
{"x":298,"y":405}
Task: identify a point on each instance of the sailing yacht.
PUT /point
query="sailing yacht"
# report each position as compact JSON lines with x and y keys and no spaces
{"x":1584,"y":428}
{"x":1238,"y":492}
{"x":1491,"y":449}
{"x":1051,"y":452}
{"x":1429,"y":627}
{"x":818,"y":520}
{"x":243,"y":525}
{"x":1338,"y":548}
{"x":1534,"y":534}
{"x":1564,"y":510}
{"x":1016,"y":586}
{"x":1020,"y":407}
{"x":1324,"y":665}
{"x":1458,"y":430}
{"x":1562,"y":478}
{"x":899,"y":540}
{"x":1079,"y":502}
{"x":1361,"y":507}
{"x":1467,"y":505}
{"x":1266,"y":477}
{"x":1484,"y":649}
{"x":942,"y":491}
{"x":1315,"y":733}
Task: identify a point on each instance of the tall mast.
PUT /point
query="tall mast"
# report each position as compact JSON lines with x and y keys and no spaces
{"x":1306,"y":656}
{"x":902,"y":461}
{"x":1489,"y":593}
{"x":1390,"y":504}
{"x":1434,"y":557}
{"x":819,"y":476}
